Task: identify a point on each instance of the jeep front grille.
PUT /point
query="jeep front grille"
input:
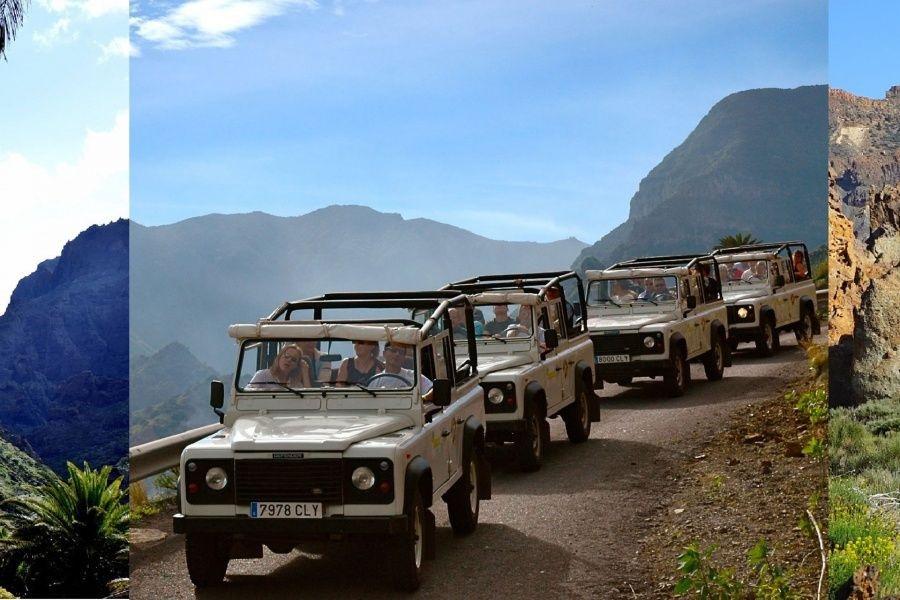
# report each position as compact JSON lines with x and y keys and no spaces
{"x":626,"y":343}
{"x":264,"y":480}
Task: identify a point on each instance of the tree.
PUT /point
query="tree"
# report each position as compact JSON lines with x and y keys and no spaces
{"x":12,"y":15}
{"x":738,"y":239}
{"x":67,"y":538}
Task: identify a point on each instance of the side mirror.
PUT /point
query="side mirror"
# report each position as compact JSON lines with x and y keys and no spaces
{"x":217,"y":398}
{"x":551,"y":339}
{"x":779,"y":281}
{"x":691,"y":302}
{"x":440,"y":392}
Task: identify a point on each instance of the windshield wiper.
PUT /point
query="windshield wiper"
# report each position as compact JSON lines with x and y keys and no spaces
{"x":496,"y":336}
{"x":647,"y":300}
{"x":278,"y":383}
{"x":360,"y":386}
{"x":611,"y":301}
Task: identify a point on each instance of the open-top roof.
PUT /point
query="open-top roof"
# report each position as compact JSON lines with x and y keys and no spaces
{"x":377,"y":332}
{"x":773,"y":247}
{"x":528,"y":283}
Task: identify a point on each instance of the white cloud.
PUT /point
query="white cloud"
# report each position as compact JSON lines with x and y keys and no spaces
{"x":210,"y":23}
{"x":47,"y":205}
{"x":58,"y":33}
{"x":118,"y":47}
{"x":88,"y":8}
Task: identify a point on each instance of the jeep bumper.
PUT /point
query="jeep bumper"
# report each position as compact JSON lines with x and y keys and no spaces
{"x":638,"y":368}
{"x":744,"y":334}
{"x":503,"y":431}
{"x":291,"y":528}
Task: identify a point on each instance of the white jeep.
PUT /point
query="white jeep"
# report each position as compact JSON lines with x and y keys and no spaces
{"x":305,"y":455}
{"x":650,"y":317}
{"x":533,"y":373}
{"x":768,"y":289}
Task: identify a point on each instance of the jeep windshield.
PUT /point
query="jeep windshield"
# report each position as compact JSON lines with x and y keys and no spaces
{"x":314,"y":368}
{"x":630,"y":291}
{"x":744,"y":273}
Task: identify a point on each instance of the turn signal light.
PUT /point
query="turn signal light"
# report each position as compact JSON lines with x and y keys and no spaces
{"x":385,"y":487}
{"x":193,"y":488}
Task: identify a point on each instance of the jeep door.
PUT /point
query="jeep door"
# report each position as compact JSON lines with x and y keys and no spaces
{"x":437,"y":444}
{"x":782,"y":296}
{"x":551,"y":364}
{"x":693,"y":330}
{"x":566,"y":354}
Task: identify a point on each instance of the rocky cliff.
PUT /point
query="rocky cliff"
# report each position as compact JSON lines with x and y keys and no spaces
{"x":64,"y":352}
{"x":864,"y":251}
{"x":753,"y":164}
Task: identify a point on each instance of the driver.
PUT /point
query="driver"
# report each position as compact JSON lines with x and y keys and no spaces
{"x":757,"y":275}
{"x":395,"y":375}
{"x":500,"y":321}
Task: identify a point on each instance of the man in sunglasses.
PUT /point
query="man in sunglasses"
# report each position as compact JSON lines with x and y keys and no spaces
{"x":395,"y":375}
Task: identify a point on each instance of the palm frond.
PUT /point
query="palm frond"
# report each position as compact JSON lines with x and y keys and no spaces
{"x":12,"y":16}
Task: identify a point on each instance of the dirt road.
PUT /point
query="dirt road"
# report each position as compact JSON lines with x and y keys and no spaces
{"x":568,"y":530}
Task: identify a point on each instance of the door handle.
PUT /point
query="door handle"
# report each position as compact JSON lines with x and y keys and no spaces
{"x":445,"y":433}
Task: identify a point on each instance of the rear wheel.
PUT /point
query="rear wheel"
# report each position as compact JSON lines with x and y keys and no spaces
{"x":766,"y":339}
{"x":577,"y":417}
{"x":677,"y":375}
{"x":410,"y":547}
{"x":207,"y":558}
{"x":804,"y":329}
{"x":714,"y":361}
{"x":463,"y":500}
{"x":530,"y":444}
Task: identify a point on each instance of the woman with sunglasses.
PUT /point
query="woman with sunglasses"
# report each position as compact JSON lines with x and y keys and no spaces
{"x":288,"y":370}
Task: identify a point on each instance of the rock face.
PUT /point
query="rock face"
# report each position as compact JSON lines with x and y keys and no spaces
{"x":864,"y":250}
{"x":756,"y":155}
{"x":64,"y":352}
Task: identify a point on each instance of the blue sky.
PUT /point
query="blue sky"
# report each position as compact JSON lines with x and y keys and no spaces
{"x":864,"y":57}
{"x":526,"y":120}
{"x":63,"y":129}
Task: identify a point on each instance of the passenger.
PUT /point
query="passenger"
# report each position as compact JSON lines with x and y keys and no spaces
{"x":738,"y":271}
{"x":649,"y":289}
{"x":523,"y":327}
{"x":662,"y":291}
{"x":712,"y":289}
{"x":620,"y":293}
{"x":396,"y":376}
{"x":799,"y":261}
{"x":363,"y":366}
{"x":311,"y":356}
{"x":287,"y":370}
{"x":458,"y":322}
{"x":759,"y":273}
{"x":500,"y":321}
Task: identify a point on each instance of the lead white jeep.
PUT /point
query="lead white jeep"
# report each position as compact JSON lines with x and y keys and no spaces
{"x":767,"y":291}
{"x":533,"y":373}
{"x":650,"y":317}
{"x":305,"y":456}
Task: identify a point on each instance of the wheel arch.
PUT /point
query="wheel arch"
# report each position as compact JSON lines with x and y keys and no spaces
{"x":473,"y":449}
{"x":535,"y":393}
{"x":418,"y":476}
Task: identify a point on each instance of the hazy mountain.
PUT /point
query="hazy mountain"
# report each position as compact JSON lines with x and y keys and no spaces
{"x":191,"y":279}
{"x":64,"y":352}
{"x":756,"y":163}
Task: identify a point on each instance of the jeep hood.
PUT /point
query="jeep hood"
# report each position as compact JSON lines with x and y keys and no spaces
{"x":311,"y":432}
{"x":491,"y":363}
{"x":736,"y":296}
{"x":627,"y":321}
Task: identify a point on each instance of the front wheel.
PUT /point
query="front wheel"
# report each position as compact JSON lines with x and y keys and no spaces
{"x":410,"y":547}
{"x":207,"y":558}
{"x":530,"y":444}
{"x":577,"y":417}
{"x":714,"y":361}
{"x":804,"y":329}
{"x":463,"y":499}
{"x":767,"y":339}
{"x":678,"y":374}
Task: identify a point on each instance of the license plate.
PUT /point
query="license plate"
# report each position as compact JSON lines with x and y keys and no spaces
{"x":613,"y":358}
{"x":286,"y":510}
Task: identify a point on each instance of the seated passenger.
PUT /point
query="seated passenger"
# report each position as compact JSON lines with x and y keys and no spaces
{"x":649,"y":289}
{"x":458,"y":322}
{"x":799,"y":262}
{"x":620,"y":293}
{"x":523,"y":327}
{"x":712,"y":289}
{"x":758,"y":274}
{"x":395,"y":375}
{"x":363,"y":366}
{"x":311,"y":356}
{"x":287,"y":370}
{"x":500,"y":321}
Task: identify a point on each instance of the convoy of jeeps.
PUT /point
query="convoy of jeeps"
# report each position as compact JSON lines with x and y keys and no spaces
{"x":352,"y":414}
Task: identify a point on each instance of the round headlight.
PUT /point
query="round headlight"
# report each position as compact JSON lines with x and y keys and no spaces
{"x":495,"y":396}
{"x":363,"y":478}
{"x":742,"y":312}
{"x":216,"y":478}
{"x":649,"y":342}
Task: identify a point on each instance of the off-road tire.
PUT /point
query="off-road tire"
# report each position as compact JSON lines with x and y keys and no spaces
{"x":678,"y":374}
{"x":577,"y":417}
{"x":409,"y":547}
{"x":207,"y":558}
{"x":714,"y":361}
{"x":803,"y":331}
{"x":463,"y":498}
{"x":767,"y":338}
{"x":531,"y":442}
